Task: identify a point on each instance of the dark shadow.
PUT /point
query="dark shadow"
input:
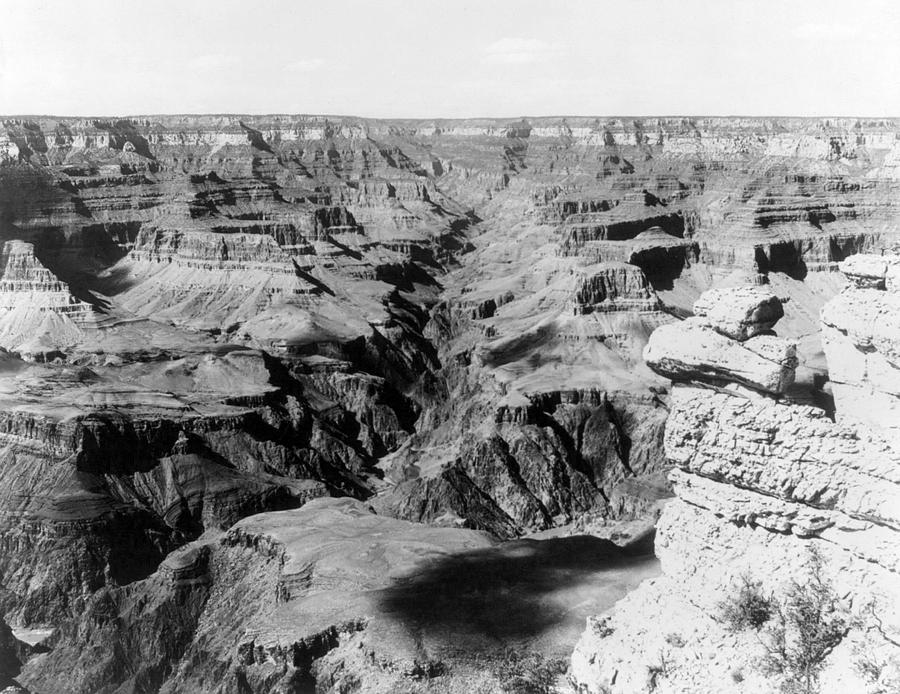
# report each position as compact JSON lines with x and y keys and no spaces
{"x":116,"y":281}
{"x":785,"y":256}
{"x":122,"y":132}
{"x":404,"y":276}
{"x":502,"y":592}
{"x":356,"y":255}
{"x":257,"y":141}
{"x":318,"y":284}
{"x":78,"y":258}
{"x":518,"y":347}
{"x":662,"y":265}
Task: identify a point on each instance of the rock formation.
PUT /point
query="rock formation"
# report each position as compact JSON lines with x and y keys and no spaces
{"x":333,"y":597}
{"x":39,"y":318}
{"x":741,"y":312}
{"x":767,"y":493}
{"x":209,"y":317}
{"x":861,"y":338}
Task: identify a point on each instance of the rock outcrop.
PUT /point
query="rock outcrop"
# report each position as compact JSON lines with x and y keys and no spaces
{"x":861,"y":339}
{"x":691,"y":350}
{"x":723,"y":342}
{"x":39,"y":317}
{"x":740,"y":312}
{"x":769,"y":495}
{"x":868,"y":271}
{"x":615,"y":286}
{"x":447,"y":319}
{"x":333,"y":597}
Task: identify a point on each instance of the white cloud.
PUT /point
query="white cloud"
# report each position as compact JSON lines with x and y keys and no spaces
{"x":519,"y":51}
{"x":827,"y":31}
{"x":216,"y":61}
{"x":307,"y":65}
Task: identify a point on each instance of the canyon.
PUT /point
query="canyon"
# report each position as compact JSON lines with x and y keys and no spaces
{"x":307,"y":403}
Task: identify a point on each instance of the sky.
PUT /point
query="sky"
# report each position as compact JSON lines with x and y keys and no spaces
{"x":451,"y":58}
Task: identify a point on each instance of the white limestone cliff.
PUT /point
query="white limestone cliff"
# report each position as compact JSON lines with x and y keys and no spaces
{"x":773,"y":495}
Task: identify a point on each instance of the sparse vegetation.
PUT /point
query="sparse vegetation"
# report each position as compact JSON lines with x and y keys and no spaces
{"x":810,"y":622}
{"x":657,"y":671}
{"x":869,"y":666}
{"x":881,"y":670}
{"x":675,"y":639}
{"x":882,"y":673}
{"x":801,"y":628}
{"x":749,"y":608}
{"x":529,"y":673}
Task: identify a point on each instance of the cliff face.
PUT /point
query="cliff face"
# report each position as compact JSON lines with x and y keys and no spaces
{"x":333,"y":597}
{"x":207,"y":317}
{"x":767,"y":493}
{"x":859,"y":334}
{"x":39,"y":317}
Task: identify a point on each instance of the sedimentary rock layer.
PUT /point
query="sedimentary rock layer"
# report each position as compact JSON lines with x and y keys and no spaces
{"x":767,"y":491}
{"x":445,"y":318}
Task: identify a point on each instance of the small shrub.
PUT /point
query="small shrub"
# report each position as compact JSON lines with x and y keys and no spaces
{"x":658,"y":671}
{"x":809,"y":623}
{"x":737,"y":676}
{"x":675,"y":639}
{"x":798,"y":631}
{"x":749,"y":609}
{"x":868,"y":666}
{"x":528,"y":673}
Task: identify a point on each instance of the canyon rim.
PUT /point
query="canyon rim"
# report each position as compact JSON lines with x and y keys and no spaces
{"x":582,"y":404}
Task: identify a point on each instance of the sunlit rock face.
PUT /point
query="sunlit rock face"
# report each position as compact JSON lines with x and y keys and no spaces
{"x":759,"y":483}
{"x":692,"y":350}
{"x":740,"y":312}
{"x":39,"y":317}
{"x":208,"y":317}
{"x":861,"y":337}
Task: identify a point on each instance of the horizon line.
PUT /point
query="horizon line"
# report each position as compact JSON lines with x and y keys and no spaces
{"x":237,"y":114}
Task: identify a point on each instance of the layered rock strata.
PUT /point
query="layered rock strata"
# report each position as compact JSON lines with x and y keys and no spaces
{"x":766,"y":492}
{"x":335,"y":598}
{"x":39,"y":317}
{"x":861,"y":339}
{"x":447,"y":318}
{"x":722,"y":342}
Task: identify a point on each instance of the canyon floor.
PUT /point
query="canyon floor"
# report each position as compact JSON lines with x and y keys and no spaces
{"x":304,"y":403}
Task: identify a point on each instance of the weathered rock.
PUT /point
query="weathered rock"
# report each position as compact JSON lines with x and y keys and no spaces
{"x":892,"y":276}
{"x":740,"y":312}
{"x":11,"y":657}
{"x":866,"y":271}
{"x":442,"y":317}
{"x":39,"y":317}
{"x":615,"y":286}
{"x":691,"y":350}
{"x":861,"y":339}
{"x":547,"y":459}
{"x":785,"y":451}
{"x":330,"y":596}
{"x":779,"y":495}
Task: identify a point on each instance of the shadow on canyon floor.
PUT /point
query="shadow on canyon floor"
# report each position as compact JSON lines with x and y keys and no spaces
{"x":518,"y":592}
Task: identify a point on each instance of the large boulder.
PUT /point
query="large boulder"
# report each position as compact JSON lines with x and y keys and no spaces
{"x":692,"y":351}
{"x":867,"y":270}
{"x":739,"y":312}
{"x":861,"y":339}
